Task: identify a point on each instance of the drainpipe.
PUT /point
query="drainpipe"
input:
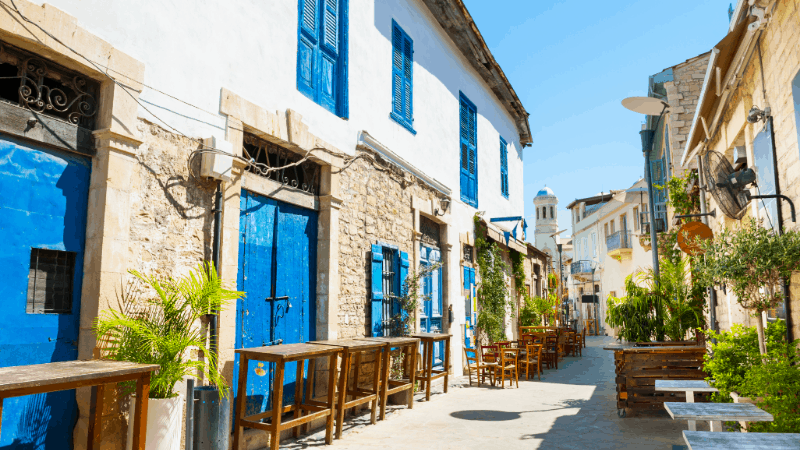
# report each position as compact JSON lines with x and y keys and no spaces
{"x":712,"y":293}
{"x":215,"y":257}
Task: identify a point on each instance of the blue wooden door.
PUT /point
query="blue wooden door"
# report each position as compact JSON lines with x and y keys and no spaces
{"x":43,"y":202}
{"x":431,"y":317}
{"x":277,"y":271}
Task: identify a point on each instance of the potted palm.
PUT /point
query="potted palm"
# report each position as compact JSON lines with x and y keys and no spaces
{"x":158,"y":322}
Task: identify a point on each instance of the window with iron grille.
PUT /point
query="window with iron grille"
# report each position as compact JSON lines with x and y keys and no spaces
{"x":430,"y":231}
{"x":266,"y":156}
{"x":50,"y":281}
{"x":389,"y":290}
{"x":468,"y":253}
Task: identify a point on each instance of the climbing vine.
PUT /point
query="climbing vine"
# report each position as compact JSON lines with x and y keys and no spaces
{"x":493,"y":290}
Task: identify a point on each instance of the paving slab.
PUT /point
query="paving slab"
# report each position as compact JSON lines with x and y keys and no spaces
{"x":573,"y":407}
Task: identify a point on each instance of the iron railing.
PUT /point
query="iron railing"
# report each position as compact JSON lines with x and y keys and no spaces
{"x":581,"y":267}
{"x":618,"y":240}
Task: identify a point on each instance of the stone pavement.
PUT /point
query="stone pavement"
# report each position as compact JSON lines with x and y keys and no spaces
{"x":573,"y":407}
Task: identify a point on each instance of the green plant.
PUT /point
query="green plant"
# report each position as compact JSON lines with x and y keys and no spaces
{"x":403,"y":323}
{"x":684,"y":193}
{"x":161,"y":329}
{"x":736,"y":364}
{"x":493,"y":290}
{"x":753,"y":261}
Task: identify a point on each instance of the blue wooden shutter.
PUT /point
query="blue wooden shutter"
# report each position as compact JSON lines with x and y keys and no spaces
{"x":402,"y":77}
{"x":466,"y":277}
{"x":503,"y":168}
{"x":330,"y":21}
{"x":408,"y":66}
{"x":329,"y":56}
{"x":307,"y":38}
{"x":397,"y":70}
{"x":403,"y":275}
{"x":469,"y":157}
{"x":377,"y":290}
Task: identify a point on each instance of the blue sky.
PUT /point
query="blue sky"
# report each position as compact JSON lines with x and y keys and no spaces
{"x":571,"y":62}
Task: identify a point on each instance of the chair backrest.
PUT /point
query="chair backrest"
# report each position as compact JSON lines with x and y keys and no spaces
{"x":534,"y":350}
{"x":504,"y":344}
{"x":471,"y":359}
{"x":489,"y":353}
{"x":508,"y":357}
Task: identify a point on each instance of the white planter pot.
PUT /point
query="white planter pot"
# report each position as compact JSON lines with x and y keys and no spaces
{"x":164,"y":420}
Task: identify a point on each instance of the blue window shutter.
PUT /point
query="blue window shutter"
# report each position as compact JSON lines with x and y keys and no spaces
{"x":402,"y":77}
{"x":307,"y":40}
{"x":472,"y":276}
{"x":330,"y":24}
{"x":377,"y":290}
{"x":466,"y":277}
{"x":408,"y":67}
{"x":469,"y":152}
{"x":503,"y":168}
{"x":403,"y":275}
{"x":308,"y":17}
{"x":322,"y":53}
{"x":397,"y":70}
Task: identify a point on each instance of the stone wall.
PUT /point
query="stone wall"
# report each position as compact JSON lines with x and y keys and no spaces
{"x":683,"y":93}
{"x":376,"y":207}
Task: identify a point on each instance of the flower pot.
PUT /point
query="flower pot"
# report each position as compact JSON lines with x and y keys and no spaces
{"x":164,"y":421}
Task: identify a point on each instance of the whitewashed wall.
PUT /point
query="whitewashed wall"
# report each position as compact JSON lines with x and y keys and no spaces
{"x":193,"y":48}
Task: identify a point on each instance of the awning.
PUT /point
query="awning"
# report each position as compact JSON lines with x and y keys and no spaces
{"x":713,"y":95}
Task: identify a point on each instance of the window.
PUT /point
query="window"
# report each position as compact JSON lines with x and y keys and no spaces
{"x":322,"y":53}
{"x":613,"y":227}
{"x":50,"y":281}
{"x":469,"y":151}
{"x":623,"y":222}
{"x":544,"y":212}
{"x":468,"y":253}
{"x":552,"y":213}
{"x":503,"y":168}
{"x":402,"y":78}
{"x":585,"y":248}
{"x":537,"y":213}
{"x":636,"y":218}
{"x":389,"y":268}
{"x":605,"y":230}
{"x":594,"y":244}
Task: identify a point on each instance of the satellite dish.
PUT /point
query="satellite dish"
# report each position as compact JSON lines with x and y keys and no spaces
{"x":689,"y":235}
{"x":728,"y":187}
{"x":645,"y":105}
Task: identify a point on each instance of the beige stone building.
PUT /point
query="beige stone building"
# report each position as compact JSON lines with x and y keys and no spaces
{"x":747,"y":111}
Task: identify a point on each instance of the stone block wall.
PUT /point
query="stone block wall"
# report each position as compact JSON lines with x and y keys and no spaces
{"x":683,"y":93}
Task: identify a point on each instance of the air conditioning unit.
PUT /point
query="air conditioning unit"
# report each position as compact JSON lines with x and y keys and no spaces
{"x":217,"y":162}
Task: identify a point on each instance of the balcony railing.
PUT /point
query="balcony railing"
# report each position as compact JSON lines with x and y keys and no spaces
{"x":619,"y":240}
{"x":581,"y":267}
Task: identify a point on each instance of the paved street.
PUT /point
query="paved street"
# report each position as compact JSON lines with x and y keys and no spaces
{"x":570,"y":408}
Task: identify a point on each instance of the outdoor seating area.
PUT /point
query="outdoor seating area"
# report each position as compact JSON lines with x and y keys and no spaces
{"x":344,"y":391}
{"x":538,"y":347}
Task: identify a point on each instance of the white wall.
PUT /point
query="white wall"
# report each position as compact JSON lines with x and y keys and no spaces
{"x":191,"y":49}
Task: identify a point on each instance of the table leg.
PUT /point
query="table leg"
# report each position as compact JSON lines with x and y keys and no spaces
{"x":412,"y":374}
{"x":690,"y":399}
{"x":354,"y":382}
{"x":277,"y":406}
{"x":345,"y":371}
{"x":312,"y":366}
{"x":95,"y":417}
{"x":716,"y":425}
{"x":241,"y":393}
{"x":331,"y":397}
{"x":385,"y":380}
{"x":376,"y":385}
{"x":424,"y":360}
{"x":298,"y":394}
{"x":429,"y":370}
{"x":1,"y":412}
{"x":446,"y":363}
{"x":140,"y":412}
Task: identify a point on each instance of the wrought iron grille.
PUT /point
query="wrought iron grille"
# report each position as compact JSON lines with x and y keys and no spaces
{"x":581,"y":267}
{"x":50,"y":281}
{"x":45,"y":87}
{"x":468,"y":253}
{"x":618,"y":240}
{"x":389,"y":290}
{"x":268,"y":156}
{"x":430,"y":231}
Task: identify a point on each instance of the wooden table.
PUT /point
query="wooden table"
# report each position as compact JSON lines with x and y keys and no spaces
{"x":427,"y":374}
{"x":17,"y":381}
{"x":706,"y":440}
{"x":716,"y":413}
{"x":350,"y":348}
{"x":389,"y":386}
{"x":687,"y":386}
{"x":280,"y":355}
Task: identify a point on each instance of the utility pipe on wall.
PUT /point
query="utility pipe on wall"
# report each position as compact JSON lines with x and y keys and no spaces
{"x":215,"y":257}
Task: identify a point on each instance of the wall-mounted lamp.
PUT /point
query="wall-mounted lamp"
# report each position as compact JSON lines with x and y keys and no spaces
{"x":755,"y":114}
{"x":444,"y":203}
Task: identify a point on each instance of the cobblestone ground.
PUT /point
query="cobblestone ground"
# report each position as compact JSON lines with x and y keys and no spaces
{"x":573,"y":407}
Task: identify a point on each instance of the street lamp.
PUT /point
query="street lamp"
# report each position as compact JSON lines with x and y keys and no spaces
{"x":651,"y":107}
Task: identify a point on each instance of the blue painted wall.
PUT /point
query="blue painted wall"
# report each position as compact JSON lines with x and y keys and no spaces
{"x":43,"y":202}
{"x":277,"y":258}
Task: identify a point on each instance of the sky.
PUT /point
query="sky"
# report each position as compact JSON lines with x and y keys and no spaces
{"x":571,"y":62}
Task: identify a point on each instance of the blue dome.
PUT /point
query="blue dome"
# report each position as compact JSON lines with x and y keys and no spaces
{"x":545,"y":191}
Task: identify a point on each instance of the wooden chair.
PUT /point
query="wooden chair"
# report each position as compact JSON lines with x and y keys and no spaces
{"x":550,"y":351}
{"x":571,"y":343}
{"x":532,"y":360}
{"x":508,"y":364}
{"x":481,"y":368}
{"x":583,"y":337}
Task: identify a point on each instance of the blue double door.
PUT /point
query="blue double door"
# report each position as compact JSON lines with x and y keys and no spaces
{"x":277,"y":271}
{"x":43,"y":203}
{"x":431,"y":317}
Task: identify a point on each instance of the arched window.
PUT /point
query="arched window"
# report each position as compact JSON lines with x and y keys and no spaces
{"x":544,"y":212}
{"x":537,"y":213}
{"x":552,"y":215}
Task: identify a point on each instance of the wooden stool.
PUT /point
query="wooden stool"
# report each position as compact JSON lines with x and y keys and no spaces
{"x":428,"y":374}
{"x":388,"y":386}
{"x":280,"y":355}
{"x":351,"y":347}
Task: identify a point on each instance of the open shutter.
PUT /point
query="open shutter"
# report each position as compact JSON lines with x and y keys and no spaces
{"x":397,"y":70}
{"x":403,"y":275}
{"x":308,"y":17}
{"x":308,"y":40}
{"x":503,"y":167}
{"x":330,"y":23}
{"x":377,"y":290}
{"x":408,"y":64}
{"x":469,"y":161}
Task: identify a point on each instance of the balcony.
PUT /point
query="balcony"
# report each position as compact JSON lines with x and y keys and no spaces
{"x":581,"y":270}
{"x":620,"y":245}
